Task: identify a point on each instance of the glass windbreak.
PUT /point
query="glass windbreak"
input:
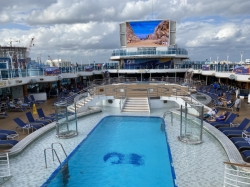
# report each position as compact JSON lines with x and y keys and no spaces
{"x":191,"y":124}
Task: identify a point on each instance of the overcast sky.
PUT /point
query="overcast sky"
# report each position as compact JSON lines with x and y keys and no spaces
{"x":88,"y":30}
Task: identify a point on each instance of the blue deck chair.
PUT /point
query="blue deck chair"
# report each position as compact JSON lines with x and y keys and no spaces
{"x":27,"y":126}
{"x":3,"y":136}
{"x":220,"y":122}
{"x":235,"y":133}
{"x":12,"y":107}
{"x":241,"y":126}
{"x":32,"y":120}
{"x":8,"y":143}
{"x":7,"y":132}
{"x":36,"y":101}
{"x":3,"y":115}
{"x":237,"y":139}
{"x":227,"y":122}
{"x":246,"y":155}
{"x":27,"y":101}
{"x":42,"y":116}
{"x":242,"y":146}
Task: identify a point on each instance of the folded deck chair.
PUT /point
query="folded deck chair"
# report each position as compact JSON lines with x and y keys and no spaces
{"x":32,"y":120}
{"x":28,"y":126}
{"x":235,"y":133}
{"x":241,"y":126}
{"x":246,"y":155}
{"x":242,"y":146}
{"x":42,"y":116}
{"x":3,"y":136}
{"x":7,"y":143}
{"x":36,"y":101}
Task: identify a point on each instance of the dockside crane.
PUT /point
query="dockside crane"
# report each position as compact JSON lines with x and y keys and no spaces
{"x":11,"y":41}
{"x":52,"y":62}
{"x":31,"y":44}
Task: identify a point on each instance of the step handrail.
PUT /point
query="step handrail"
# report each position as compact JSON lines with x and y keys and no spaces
{"x":56,"y":156}
{"x":61,"y":147}
{"x":149,"y":102}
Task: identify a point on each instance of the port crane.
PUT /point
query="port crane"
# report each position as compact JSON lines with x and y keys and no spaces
{"x":11,"y":41}
{"x":52,"y":62}
{"x":31,"y":44}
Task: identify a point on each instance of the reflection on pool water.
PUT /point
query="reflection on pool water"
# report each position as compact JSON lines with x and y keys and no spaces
{"x":120,"y":151}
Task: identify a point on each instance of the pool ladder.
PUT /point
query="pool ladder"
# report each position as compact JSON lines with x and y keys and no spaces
{"x":54,"y":152}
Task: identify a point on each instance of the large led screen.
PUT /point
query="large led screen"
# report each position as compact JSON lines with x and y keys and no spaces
{"x":147,"y":33}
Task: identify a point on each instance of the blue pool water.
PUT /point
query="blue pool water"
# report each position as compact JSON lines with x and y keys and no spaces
{"x":120,"y":152}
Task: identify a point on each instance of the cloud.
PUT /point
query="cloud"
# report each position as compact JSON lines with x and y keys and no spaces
{"x":77,"y":28}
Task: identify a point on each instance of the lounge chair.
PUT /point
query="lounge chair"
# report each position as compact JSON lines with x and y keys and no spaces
{"x":237,"y":139}
{"x":7,"y":132}
{"x":7,"y":143}
{"x":3,"y":136}
{"x":32,"y":120}
{"x":28,"y":126}
{"x":221,"y":122}
{"x":241,"y":126}
{"x":42,"y":116}
{"x":12,"y":107}
{"x":242,"y":146}
{"x":235,"y":133}
{"x":246,"y":155}
{"x":27,"y":101}
{"x":3,"y":115}
{"x":36,"y":101}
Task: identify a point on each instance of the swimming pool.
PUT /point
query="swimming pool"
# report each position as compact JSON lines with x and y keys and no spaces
{"x":120,"y":151}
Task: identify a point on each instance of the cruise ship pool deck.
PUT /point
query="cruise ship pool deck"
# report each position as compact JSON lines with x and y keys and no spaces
{"x":194,"y":165}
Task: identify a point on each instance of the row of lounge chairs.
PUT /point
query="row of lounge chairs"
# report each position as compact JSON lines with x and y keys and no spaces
{"x":34,"y":124}
{"x":215,"y":93}
{"x":236,"y":133}
{"x":4,"y":142}
{"x":28,"y":103}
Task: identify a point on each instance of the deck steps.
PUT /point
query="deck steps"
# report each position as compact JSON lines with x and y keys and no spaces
{"x":79,"y":104}
{"x":136,"y":104}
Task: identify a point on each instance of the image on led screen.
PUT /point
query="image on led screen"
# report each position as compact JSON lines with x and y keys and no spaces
{"x":147,"y":33}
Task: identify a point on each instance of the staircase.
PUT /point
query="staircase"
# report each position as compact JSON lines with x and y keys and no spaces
{"x":79,"y":104}
{"x":136,"y":104}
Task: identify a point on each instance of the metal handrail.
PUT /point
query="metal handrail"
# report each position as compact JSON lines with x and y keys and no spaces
{"x":149,"y":102}
{"x":56,"y":156}
{"x":61,"y":147}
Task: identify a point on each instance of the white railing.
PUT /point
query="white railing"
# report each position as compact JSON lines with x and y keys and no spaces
{"x":236,"y":175}
{"x":4,"y":165}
